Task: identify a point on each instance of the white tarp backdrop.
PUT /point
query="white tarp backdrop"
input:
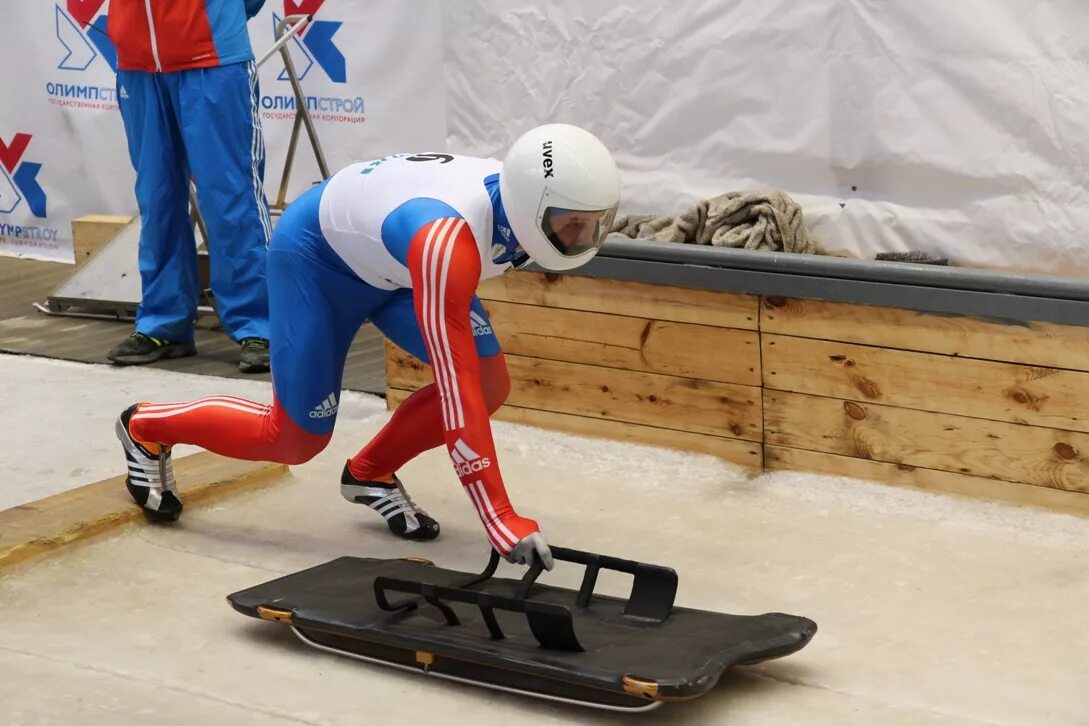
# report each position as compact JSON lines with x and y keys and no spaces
{"x":960,"y":128}
{"x":957,"y":128}
{"x":372,"y":73}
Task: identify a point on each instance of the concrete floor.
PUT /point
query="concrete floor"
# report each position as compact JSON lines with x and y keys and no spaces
{"x":932,"y":609}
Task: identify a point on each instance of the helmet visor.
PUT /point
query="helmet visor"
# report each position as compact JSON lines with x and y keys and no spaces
{"x":574,"y":231}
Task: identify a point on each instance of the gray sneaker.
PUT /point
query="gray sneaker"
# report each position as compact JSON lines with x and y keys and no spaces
{"x":254,"y":356}
{"x":139,"y":348}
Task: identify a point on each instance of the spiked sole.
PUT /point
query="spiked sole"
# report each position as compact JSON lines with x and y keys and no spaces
{"x":169,"y":513}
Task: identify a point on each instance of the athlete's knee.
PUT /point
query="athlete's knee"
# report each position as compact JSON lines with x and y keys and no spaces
{"x":289,"y":443}
{"x":495,"y":381}
{"x":299,"y":447}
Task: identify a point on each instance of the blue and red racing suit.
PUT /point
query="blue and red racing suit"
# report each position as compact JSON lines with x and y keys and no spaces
{"x":402,"y":241}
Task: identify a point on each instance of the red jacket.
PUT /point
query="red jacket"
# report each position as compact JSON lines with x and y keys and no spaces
{"x":175,"y":35}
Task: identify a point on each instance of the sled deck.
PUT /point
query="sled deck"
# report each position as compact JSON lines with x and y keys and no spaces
{"x":523,"y":636}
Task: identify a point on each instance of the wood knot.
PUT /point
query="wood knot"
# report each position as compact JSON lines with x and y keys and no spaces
{"x":1026,"y":397}
{"x":604,"y":389}
{"x":652,"y":398}
{"x":1065,"y":451}
{"x":854,"y":410}
{"x":837,"y":358}
{"x":552,"y":276}
{"x":736,"y":429}
{"x":868,"y":388}
{"x":905,"y":467}
{"x":774,"y":301}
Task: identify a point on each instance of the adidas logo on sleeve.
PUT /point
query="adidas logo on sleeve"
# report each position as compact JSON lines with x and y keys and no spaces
{"x":466,"y":461}
{"x":480,"y":324}
{"x":326,"y":408}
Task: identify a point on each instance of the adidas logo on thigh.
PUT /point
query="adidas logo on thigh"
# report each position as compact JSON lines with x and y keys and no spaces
{"x":326,"y":408}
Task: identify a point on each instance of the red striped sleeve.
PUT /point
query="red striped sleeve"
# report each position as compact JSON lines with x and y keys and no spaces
{"x":445,"y":266}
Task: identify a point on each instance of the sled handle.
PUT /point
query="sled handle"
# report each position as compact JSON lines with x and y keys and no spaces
{"x":551,"y":624}
{"x":413,"y":603}
{"x":653,"y":589}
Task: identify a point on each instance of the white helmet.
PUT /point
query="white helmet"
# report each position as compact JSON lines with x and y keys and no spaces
{"x":560,"y":189}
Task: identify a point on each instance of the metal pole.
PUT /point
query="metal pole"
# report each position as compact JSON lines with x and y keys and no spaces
{"x":300,"y":102}
{"x":281,"y":196}
{"x":195,"y":213}
{"x":281,"y":40}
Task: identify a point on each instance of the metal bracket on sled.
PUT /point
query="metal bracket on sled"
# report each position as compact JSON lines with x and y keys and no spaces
{"x":653,"y":592}
{"x":108,"y":285}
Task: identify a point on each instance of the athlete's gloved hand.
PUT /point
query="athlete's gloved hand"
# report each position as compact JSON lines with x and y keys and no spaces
{"x":530,"y":547}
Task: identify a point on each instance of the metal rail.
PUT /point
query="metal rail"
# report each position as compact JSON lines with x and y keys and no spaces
{"x":1006,"y":296}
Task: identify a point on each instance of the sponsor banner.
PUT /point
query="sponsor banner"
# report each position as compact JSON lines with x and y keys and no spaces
{"x":62,"y":148}
{"x":371,"y":76}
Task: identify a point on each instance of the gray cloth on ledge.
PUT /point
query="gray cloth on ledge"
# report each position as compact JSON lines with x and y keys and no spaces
{"x":765,"y":219}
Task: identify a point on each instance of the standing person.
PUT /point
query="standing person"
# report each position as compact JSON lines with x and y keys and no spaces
{"x":403,"y":241}
{"x":188,"y":94}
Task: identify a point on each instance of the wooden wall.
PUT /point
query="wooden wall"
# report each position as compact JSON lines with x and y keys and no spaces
{"x":672,"y":367}
{"x":996,"y":409}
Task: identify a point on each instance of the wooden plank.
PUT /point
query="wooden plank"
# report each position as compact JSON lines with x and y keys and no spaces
{"x":403,"y":370}
{"x":997,"y":450}
{"x":42,"y":527}
{"x":91,"y":232}
{"x":682,"y":404}
{"x":657,"y":302}
{"x":728,"y":355}
{"x":1015,"y":341}
{"x":779,"y":458}
{"x":745,"y":454}
{"x":965,"y":386}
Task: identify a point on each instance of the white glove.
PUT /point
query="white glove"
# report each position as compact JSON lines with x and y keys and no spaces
{"x":530,"y":547}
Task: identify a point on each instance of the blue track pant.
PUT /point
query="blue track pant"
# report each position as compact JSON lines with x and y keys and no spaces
{"x":202,"y":123}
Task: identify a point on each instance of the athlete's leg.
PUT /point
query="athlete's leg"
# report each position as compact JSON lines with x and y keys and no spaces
{"x":317,"y":305}
{"x":416,"y":425}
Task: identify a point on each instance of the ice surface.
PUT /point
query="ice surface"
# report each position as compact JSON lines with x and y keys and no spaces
{"x":932,"y":609}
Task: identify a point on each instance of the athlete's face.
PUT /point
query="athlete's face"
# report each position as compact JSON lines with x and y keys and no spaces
{"x":575,"y":229}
